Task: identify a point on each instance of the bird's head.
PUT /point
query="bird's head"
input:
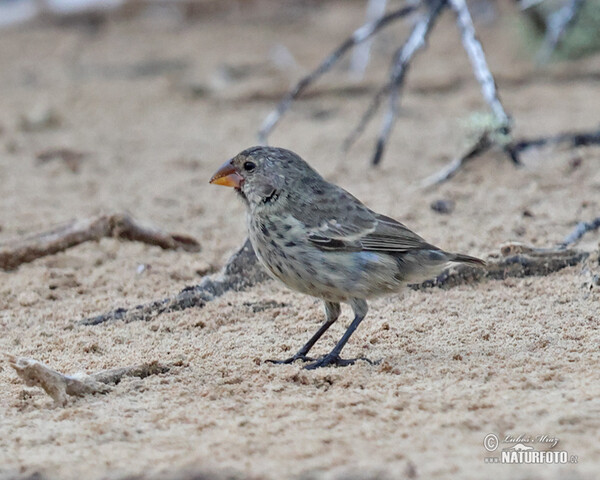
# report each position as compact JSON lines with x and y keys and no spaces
{"x":262,"y":174}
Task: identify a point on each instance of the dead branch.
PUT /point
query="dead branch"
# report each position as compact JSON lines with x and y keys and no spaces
{"x":360,"y":35}
{"x":490,"y":93}
{"x":402,"y":58}
{"x":241,"y":271}
{"x":557,"y":24}
{"x":481,"y":146}
{"x":17,"y":252}
{"x":513,"y":149}
{"x":579,"y":231}
{"x":570,"y":139}
{"x":362,"y":52}
{"x":480,"y":68}
{"x":519,"y":261}
{"x":115,"y":375}
{"x":60,"y":386}
{"x":400,"y":64}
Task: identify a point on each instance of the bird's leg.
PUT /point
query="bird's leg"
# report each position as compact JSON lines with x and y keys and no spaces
{"x":360,"y":308}
{"x":332,"y":312}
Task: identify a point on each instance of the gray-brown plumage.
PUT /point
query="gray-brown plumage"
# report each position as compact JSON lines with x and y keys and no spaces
{"x":320,"y":240}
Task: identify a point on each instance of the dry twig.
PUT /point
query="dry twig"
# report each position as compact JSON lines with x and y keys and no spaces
{"x":402,"y":59}
{"x":60,"y":386}
{"x":241,"y":271}
{"x":362,"y":52}
{"x":400,"y":64}
{"x":513,"y":149}
{"x":518,"y":261}
{"x":360,"y":35}
{"x":481,"y":146}
{"x":571,"y":139}
{"x":480,"y":68}
{"x":579,"y":231}
{"x":557,"y":24}
{"x":17,"y":252}
{"x":522,"y":260}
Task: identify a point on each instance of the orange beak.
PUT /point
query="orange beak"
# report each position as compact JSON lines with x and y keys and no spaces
{"x":227,"y":176}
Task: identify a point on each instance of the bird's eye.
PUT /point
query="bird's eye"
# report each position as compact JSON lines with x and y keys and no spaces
{"x":249,"y":166}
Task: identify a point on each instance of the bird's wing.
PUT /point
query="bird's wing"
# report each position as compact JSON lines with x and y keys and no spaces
{"x":347,"y":225}
{"x":392,"y":236}
{"x":341,"y":225}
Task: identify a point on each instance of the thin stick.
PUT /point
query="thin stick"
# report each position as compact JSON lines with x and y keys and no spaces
{"x":366,"y":117}
{"x":514,"y":149}
{"x":573,"y":139}
{"x":556,"y":26}
{"x":241,"y":271}
{"x":17,"y":252}
{"x":387,"y":88}
{"x":362,"y":52}
{"x":579,"y":231}
{"x":517,"y":263}
{"x":480,"y":67}
{"x":60,"y":386}
{"x":446,"y":173}
{"x":402,"y":58}
{"x":360,"y":35}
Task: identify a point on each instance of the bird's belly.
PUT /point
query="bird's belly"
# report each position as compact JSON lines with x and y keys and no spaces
{"x":331,"y":275}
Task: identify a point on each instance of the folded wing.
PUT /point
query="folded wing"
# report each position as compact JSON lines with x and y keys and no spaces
{"x":350,"y":226}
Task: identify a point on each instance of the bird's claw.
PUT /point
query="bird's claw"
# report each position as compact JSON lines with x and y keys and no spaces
{"x":290,"y":360}
{"x":336,"y":360}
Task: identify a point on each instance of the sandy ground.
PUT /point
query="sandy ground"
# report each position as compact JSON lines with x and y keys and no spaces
{"x":508,"y":357}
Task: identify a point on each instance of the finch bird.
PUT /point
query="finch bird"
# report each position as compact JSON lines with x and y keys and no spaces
{"x":320,"y":240}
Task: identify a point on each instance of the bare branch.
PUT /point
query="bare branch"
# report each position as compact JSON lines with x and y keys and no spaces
{"x":519,"y":261}
{"x":366,"y":117}
{"x":17,"y":252}
{"x":394,"y":80}
{"x":579,"y":231}
{"x":241,"y":271}
{"x":556,"y":26}
{"x":513,"y":149}
{"x":362,"y":52}
{"x":360,"y":35}
{"x":481,"y":146}
{"x":402,"y":58}
{"x":480,"y":67}
{"x":572,"y":139}
{"x":60,"y":386}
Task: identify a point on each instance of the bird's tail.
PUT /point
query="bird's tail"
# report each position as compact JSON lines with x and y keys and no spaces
{"x":459,"y":257}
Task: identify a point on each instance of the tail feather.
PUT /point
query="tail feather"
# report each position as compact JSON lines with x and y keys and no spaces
{"x":459,"y":257}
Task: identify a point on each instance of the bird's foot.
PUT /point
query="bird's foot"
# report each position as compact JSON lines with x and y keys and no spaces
{"x":287,"y":361}
{"x":335,"y":360}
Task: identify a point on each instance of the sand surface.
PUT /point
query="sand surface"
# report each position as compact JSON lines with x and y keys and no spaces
{"x":156,"y":105}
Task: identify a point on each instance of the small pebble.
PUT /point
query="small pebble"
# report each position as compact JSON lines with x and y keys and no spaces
{"x":27,"y":299}
{"x":528,"y":213}
{"x":445,"y":207}
{"x":141,"y":268}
